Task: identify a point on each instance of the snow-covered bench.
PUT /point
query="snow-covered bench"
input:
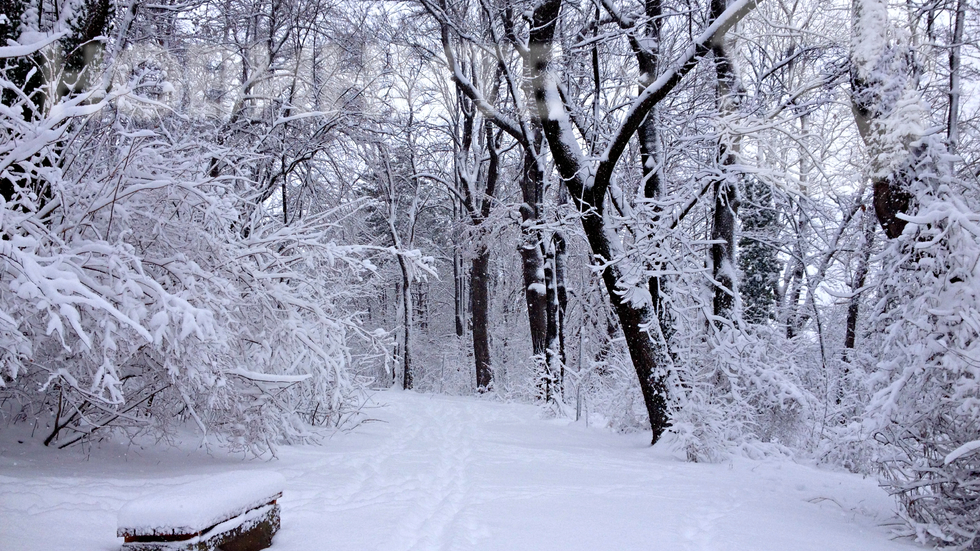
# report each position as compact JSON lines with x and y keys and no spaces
{"x":234,"y":511}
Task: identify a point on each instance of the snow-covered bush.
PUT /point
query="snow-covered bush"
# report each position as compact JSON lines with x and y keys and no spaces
{"x":141,"y":287}
{"x":926,"y":407}
{"x":738,"y":392}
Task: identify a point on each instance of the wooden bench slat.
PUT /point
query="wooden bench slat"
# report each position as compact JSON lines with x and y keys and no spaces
{"x":235,"y":511}
{"x":251,"y":531}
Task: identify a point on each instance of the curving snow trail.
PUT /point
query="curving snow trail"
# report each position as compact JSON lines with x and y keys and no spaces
{"x":444,"y":473}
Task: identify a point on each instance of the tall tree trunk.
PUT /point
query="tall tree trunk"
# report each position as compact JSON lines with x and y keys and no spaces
{"x":644,"y":340}
{"x":561,"y":263}
{"x":860,"y":275}
{"x":952,"y":125}
{"x":587,"y":179}
{"x":648,"y":57}
{"x":528,"y":135}
{"x":723,"y":248}
{"x":480,"y":274}
{"x":550,"y":379}
{"x":532,"y":259}
{"x":793,"y":283}
{"x":480,"y":285}
{"x":408,"y":374}
{"x":792,"y":304}
{"x":388,"y":191}
{"x":729,"y":94}
{"x":651,"y":162}
{"x":459,"y":298}
{"x":874,"y":96}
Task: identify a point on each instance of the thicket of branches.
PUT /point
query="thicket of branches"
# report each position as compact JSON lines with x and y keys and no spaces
{"x":749,"y":227}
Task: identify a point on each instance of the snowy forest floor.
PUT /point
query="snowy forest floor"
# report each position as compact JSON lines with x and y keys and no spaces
{"x":437,"y":472}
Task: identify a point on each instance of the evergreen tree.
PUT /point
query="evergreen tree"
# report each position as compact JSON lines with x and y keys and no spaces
{"x":757,"y":257}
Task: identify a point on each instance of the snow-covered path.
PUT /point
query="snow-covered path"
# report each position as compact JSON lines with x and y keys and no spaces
{"x":443,"y":473}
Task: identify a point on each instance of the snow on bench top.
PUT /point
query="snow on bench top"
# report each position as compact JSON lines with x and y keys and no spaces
{"x":194,"y":506}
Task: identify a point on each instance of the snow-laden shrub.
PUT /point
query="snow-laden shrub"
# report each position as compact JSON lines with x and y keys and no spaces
{"x":609,"y":393}
{"x":925,"y":410}
{"x":139,"y":287}
{"x":738,"y":393}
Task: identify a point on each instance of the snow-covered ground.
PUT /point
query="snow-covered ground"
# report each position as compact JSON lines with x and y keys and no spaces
{"x":436,"y":472}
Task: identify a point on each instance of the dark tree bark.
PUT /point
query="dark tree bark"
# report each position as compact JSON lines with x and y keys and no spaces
{"x":551,"y":379}
{"x":586,"y":181}
{"x":408,"y":374}
{"x":952,"y":124}
{"x":388,"y":190}
{"x":532,"y":257}
{"x":477,"y":188}
{"x":723,"y":250}
{"x":459,"y":297}
{"x":480,"y":276}
{"x":793,"y":296}
{"x":561,"y":263}
{"x":481,"y":319}
{"x":792,"y":287}
{"x":860,"y":275}
{"x":728,"y":94}
{"x":648,"y":60}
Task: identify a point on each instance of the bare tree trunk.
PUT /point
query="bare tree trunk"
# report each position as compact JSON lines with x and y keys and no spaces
{"x":477,"y":188}
{"x":396,"y":353}
{"x":528,"y":134}
{"x":459,"y":293}
{"x":793,"y":296}
{"x":860,"y":275}
{"x":646,"y":344}
{"x":873,"y":99}
{"x":648,"y":60}
{"x":587,"y":178}
{"x":388,"y":191}
{"x":408,"y":375}
{"x":729,"y":94}
{"x":651,"y":162}
{"x":480,"y":278}
{"x":638,"y":321}
{"x":550,"y":379}
{"x":459,"y":298}
{"x":532,"y":259}
{"x":723,"y":249}
{"x":480,"y":274}
{"x":952,"y":125}
{"x":561,"y":263}
{"x":793,"y":283}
